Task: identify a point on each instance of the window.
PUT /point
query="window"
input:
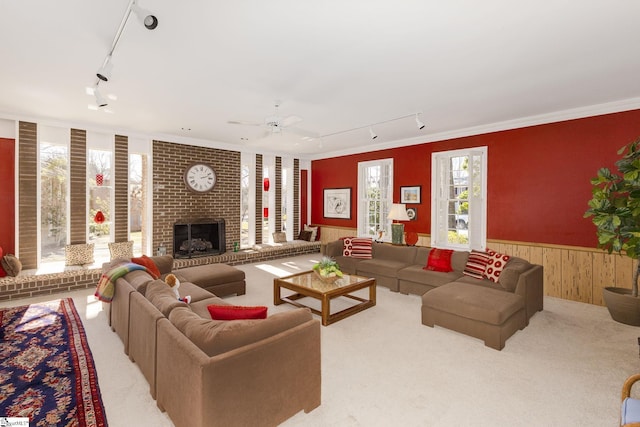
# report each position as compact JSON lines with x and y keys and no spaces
{"x":137,"y":201}
{"x":100,"y":201}
{"x":375,"y":193}
{"x":54,"y":184}
{"x":247,"y":200}
{"x":458,"y":199}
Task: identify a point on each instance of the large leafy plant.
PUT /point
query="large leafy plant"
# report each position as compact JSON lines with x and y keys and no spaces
{"x":615,"y":207}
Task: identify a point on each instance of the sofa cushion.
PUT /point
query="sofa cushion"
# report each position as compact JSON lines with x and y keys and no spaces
{"x":476,"y":264}
{"x":480,"y":282}
{"x":162,"y":297}
{"x":200,"y":307}
{"x":237,"y":312}
{"x":417,"y":274}
{"x":511,"y":273}
{"x":474,"y":302}
{"x":405,"y":254}
{"x":314,"y":232}
{"x":495,"y":265}
{"x":218,"y":336}
{"x":421,"y":256}
{"x":347,"y":264}
{"x":139,"y":279}
{"x":358,"y":247}
{"x":380,"y":267}
{"x":459,"y":260}
{"x":439,"y":260}
{"x":149,"y":264}
{"x":305,"y":235}
{"x":164,"y":263}
{"x":208,"y":276}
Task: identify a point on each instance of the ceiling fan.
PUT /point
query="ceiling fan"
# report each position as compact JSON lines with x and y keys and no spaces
{"x":276,"y":124}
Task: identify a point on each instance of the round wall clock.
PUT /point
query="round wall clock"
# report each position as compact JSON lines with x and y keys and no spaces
{"x":200,"y":177}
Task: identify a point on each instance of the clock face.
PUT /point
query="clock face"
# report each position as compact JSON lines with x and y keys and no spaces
{"x":200,"y":177}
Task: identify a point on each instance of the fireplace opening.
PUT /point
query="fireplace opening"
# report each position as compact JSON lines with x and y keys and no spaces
{"x":199,"y":238}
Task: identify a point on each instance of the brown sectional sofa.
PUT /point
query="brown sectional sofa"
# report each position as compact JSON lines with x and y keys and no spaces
{"x":476,"y":307}
{"x":205,"y":372}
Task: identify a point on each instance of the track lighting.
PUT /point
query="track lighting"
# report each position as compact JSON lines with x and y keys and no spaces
{"x":100,"y":101}
{"x":373,"y":135}
{"x":104,"y":73}
{"x":149,"y":21}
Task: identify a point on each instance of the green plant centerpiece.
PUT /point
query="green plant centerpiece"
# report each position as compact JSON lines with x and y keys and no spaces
{"x":327,"y":269}
{"x":615,"y":211}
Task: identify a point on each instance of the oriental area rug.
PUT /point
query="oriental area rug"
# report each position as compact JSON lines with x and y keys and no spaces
{"x":47,"y":373}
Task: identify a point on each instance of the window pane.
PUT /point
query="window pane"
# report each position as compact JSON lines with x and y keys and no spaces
{"x":53,"y":201}
{"x":137,"y":201}
{"x":100,"y":189}
{"x":244,"y":206}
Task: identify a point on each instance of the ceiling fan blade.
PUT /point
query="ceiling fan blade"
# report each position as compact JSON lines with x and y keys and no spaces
{"x":243,"y":123}
{"x":290,"y":121}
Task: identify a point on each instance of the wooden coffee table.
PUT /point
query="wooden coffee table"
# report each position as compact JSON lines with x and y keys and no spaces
{"x":308,"y":284}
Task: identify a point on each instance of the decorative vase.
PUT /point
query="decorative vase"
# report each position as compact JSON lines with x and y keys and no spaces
{"x":265,"y":184}
{"x":411,"y":237}
{"x":265,"y":212}
{"x":99,"y":179}
{"x":99,"y":218}
{"x":622,"y":307}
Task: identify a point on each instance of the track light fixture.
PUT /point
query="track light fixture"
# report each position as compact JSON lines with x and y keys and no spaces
{"x":104,"y":73}
{"x":149,"y":21}
{"x":100,"y":101}
{"x":371,"y":132}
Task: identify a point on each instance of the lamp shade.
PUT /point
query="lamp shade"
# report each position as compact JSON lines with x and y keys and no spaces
{"x":398,"y":212}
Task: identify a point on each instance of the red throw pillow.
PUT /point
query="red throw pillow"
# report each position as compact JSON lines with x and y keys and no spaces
{"x":358,"y":247}
{"x":2,"y":272}
{"x":439,"y":260}
{"x":236,"y":312}
{"x":148,"y":263}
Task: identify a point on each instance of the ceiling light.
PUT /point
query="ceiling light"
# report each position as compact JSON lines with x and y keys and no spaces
{"x":149,"y":21}
{"x":372,"y":133}
{"x":100,"y":101}
{"x":419,"y":123}
{"x":104,"y":73}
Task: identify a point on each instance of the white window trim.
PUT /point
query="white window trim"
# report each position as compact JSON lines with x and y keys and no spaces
{"x":362,"y":220}
{"x":477,"y":205}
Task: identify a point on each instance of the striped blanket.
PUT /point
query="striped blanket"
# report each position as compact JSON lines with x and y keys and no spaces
{"x":106,"y":285}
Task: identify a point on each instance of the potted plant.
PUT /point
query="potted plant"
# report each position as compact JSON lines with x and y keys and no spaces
{"x":615,"y":211}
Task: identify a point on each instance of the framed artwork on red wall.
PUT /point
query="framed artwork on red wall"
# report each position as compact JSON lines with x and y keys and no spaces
{"x":337,"y":203}
{"x":410,"y":194}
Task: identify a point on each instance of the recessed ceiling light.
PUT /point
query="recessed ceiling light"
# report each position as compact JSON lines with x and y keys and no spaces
{"x":92,"y":107}
{"x":89,"y":90}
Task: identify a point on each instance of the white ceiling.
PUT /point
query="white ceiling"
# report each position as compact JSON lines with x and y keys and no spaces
{"x":338,"y":65}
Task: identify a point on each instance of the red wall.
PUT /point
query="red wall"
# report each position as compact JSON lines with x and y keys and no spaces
{"x":7,"y":195}
{"x":538,"y":179}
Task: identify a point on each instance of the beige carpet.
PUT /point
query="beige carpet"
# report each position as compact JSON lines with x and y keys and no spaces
{"x":382,"y":367}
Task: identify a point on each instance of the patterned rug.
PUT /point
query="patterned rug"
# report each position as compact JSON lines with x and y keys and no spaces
{"x":46,"y":369}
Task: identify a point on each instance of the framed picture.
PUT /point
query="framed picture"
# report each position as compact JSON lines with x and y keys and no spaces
{"x":337,"y":203}
{"x":410,"y":194}
{"x":412,"y":213}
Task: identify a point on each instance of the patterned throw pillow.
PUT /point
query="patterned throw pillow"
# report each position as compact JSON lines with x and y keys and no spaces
{"x":11,"y":265}
{"x":78,"y":254}
{"x":313,"y":230}
{"x":495,"y":265}
{"x":476,"y":264}
{"x":304,"y":235}
{"x":279,"y":237}
{"x":121,"y":250}
{"x":439,"y":260}
{"x":357,"y":247}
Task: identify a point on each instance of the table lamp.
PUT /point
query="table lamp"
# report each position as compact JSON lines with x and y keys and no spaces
{"x":398,"y":213}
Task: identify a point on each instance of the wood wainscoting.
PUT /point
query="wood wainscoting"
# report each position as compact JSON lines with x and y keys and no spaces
{"x":570,"y":272}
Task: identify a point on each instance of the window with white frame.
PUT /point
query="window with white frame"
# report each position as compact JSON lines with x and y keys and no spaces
{"x":458,"y":199}
{"x":375,"y":194}
{"x":247,"y":200}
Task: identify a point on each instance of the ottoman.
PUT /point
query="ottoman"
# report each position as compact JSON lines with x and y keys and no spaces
{"x":489,"y":314}
{"x":219,"y":279}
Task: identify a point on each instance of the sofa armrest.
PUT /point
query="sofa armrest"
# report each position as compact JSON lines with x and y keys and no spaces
{"x":530,"y":287}
{"x":237,"y":387}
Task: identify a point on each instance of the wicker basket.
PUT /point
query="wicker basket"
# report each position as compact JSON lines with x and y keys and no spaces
{"x":326,"y":279}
